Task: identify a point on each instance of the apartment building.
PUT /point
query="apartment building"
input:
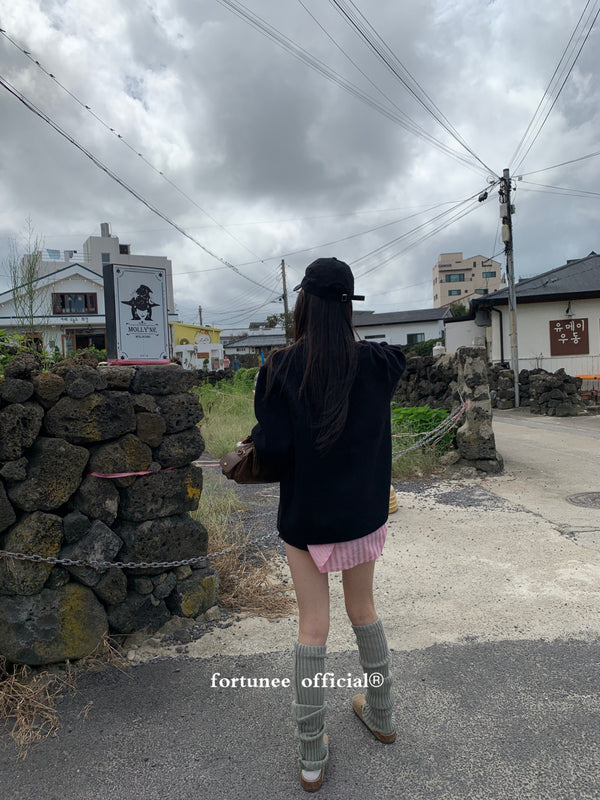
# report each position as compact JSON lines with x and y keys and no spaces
{"x":457,"y":278}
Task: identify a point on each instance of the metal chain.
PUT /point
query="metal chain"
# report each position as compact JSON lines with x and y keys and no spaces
{"x":432,"y":436}
{"x":438,"y":433}
{"x":80,"y":562}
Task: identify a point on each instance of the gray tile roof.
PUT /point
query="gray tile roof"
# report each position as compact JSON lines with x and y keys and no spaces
{"x":579,"y":276}
{"x":266,"y":340}
{"x":362,"y":319}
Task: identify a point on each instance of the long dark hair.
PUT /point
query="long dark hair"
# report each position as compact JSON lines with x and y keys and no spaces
{"x":324,"y":335}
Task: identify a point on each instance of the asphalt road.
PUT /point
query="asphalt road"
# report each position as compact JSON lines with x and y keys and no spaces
{"x":491,"y":608}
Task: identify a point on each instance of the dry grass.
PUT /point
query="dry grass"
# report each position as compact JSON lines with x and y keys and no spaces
{"x":248,"y":579}
{"x":28,"y":696}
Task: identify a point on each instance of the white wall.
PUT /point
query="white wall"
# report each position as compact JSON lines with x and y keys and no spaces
{"x":397,"y":334}
{"x":533,"y":333}
{"x":464,"y":334}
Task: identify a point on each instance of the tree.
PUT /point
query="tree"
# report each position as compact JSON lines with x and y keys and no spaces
{"x":459,"y":309}
{"x":29,"y":299}
{"x":285,"y":321}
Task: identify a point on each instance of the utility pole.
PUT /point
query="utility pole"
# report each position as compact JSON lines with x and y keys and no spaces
{"x":285,"y":303}
{"x":506,"y":212}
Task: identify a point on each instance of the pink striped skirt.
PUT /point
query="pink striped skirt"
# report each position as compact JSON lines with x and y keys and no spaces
{"x":345,"y":555}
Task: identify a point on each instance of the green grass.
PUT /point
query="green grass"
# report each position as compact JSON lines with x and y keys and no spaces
{"x":408,"y":426}
{"x":228,"y":414}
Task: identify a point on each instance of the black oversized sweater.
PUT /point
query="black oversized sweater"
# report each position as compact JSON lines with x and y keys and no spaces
{"x":343,"y":494}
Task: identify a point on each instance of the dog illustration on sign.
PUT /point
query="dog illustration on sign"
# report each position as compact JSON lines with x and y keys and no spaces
{"x":141,"y":304}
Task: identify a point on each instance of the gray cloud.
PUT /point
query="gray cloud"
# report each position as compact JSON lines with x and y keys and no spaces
{"x":254,"y":136}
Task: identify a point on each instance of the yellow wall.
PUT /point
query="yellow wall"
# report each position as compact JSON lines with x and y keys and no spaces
{"x":182,"y":331}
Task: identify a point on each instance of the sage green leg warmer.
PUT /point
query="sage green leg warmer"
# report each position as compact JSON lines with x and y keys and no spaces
{"x":309,"y":705}
{"x":375,"y":657}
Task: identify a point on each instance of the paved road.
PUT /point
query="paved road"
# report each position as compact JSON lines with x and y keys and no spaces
{"x":492,"y":612}
{"x":548,"y":459}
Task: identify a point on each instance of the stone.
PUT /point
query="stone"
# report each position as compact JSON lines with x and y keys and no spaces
{"x":143,"y":585}
{"x":15,"y":390}
{"x":20,"y":424}
{"x":566,"y":410}
{"x":98,"y":544}
{"x":95,"y":418}
{"x":57,"y":578}
{"x":117,"y":377}
{"x":167,"y":539}
{"x":137,"y":613}
{"x":15,"y":470}
{"x":162,"y":494}
{"x":82,"y":380}
{"x":112,"y":586}
{"x":150,"y":428}
{"x":7,"y":512}
{"x":98,"y":499}
{"x":195,"y":594}
{"x":52,"y":626}
{"x":86,"y":357}
{"x":492,"y":466}
{"x":75,"y":526}
{"x":181,"y":573}
{"x":181,"y":411}
{"x":161,"y":379}
{"x":22,"y":366}
{"x":48,"y":388}
{"x":179,"y":449}
{"x":144,"y":402}
{"x":127,"y":454}
{"x":475,"y":442}
{"x":35,"y":534}
{"x":53,"y":475}
{"x":165,"y":585}
{"x":449,"y":458}
{"x":213,"y":614}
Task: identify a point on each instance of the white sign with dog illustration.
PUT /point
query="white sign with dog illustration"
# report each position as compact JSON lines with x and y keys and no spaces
{"x":137,"y":330}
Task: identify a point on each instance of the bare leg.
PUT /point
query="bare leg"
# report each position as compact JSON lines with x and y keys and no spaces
{"x":312,"y":593}
{"x":358,"y":593}
{"x":375,"y":709}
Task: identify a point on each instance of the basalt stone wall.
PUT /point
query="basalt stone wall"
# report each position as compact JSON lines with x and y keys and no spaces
{"x":552,"y":393}
{"x":446,"y":382}
{"x":56,"y":428}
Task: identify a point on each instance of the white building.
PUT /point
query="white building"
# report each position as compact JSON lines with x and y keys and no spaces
{"x":558,"y":321}
{"x":401,"y":327}
{"x":70,"y":294}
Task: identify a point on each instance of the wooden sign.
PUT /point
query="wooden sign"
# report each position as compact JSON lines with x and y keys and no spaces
{"x":569,"y":337}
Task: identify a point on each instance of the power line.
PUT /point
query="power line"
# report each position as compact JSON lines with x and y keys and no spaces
{"x":303,"y":55}
{"x":569,"y":192}
{"x":124,"y":141}
{"x":386,"y":55}
{"x":42,"y":115}
{"x":562,"y":164}
{"x":548,"y":92}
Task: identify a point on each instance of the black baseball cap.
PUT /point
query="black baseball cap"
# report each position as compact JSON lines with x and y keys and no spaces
{"x":330,"y":279}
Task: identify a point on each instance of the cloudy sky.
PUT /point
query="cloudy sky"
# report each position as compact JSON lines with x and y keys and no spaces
{"x":301,"y":128}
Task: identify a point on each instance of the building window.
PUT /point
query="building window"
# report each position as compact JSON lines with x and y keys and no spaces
{"x":376,"y":336}
{"x":453,"y":292}
{"x":74,"y":303}
{"x":474,"y":264}
{"x":413,"y":338}
{"x":105,"y":258}
{"x":455,"y":277}
{"x":491,"y":274}
{"x":481,"y":291}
